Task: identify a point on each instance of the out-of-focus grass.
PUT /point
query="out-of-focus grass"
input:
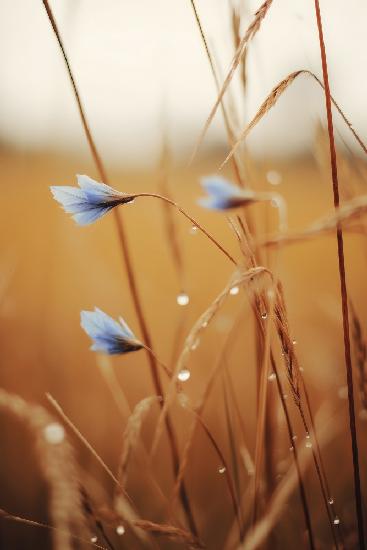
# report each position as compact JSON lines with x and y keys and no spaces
{"x":51,"y":269}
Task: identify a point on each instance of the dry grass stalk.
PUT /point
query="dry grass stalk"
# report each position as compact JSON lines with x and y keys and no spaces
{"x":31,"y":523}
{"x":104,"y":363}
{"x":296,"y":381}
{"x":230,"y":133}
{"x":126,"y":507}
{"x":346,"y":214}
{"x":250,"y":33}
{"x":271,"y":101}
{"x":169,"y":220}
{"x":199,"y":408}
{"x":58,"y":467}
{"x":190,"y":343}
{"x":360,"y":355}
{"x":226,"y":472}
{"x":171,"y":532}
{"x":262,"y":403}
{"x":132,"y":433}
{"x":257,"y":536}
{"x":343,"y":287}
{"x":129,"y":269}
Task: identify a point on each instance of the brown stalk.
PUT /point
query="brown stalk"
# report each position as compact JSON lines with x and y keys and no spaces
{"x":129,"y":271}
{"x":259,"y":306}
{"x":227,"y":475}
{"x":343,"y":287}
{"x":171,"y":532}
{"x":132,"y":433}
{"x":129,"y":508}
{"x":57,"y":465}
{"x":230,"y":134}
{"x":190,"y":218}
{"x":200,"y":325}
{"x":257,"y":537}
{"x":250,"y":33}
{"x":295,"y":378}
{"x":361,"y":356}
{"x":261,"y":412}
{"x":199,"y":408}
{"x":31,"y":523}
{"x":346,"y":214}
{"x":271,"y":101}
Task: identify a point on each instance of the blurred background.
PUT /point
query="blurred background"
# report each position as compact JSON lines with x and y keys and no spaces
{"x":146,"y":85}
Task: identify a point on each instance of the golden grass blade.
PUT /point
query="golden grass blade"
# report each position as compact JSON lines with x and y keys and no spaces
{"x":272,"y":99}
{"x":125,"y":505}
{"x":250,"y":33}
{"x":360,"y":356}
{"x":201,"y":324}
{"x":31,"y":523}
{"x":347,"y":213}
{"x":58,"y":467}
{"x":132,"y":433}
{"x":121,"y":232}
{"x":171,"y":532}
{"x":257,"y":536}
{"x":262,"y":403}
{"x":200,"y":406}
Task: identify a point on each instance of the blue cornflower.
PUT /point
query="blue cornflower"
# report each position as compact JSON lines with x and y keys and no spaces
{"x":224,"y":195}
{"x":90,"y":201}
{"x":110,"y":336}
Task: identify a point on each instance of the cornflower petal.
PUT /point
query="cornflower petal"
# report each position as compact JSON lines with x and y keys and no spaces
{"x":110,"y":336}
{"x":90,"y":201}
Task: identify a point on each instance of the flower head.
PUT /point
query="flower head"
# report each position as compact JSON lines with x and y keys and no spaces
{"x":110,"y":336}
{"x":90,"y":201}
{"x":223,"y":195}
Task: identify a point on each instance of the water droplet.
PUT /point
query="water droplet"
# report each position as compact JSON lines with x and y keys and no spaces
{"x":264,"y":315}
{"x":184,"y":375}
{"x":193,"y":230}
{"x":308,"y":436}
{"x":291,"y":449}
{"x":205,"y":324}
{"x":221,"y":469}
{"x":294,"y":342}
{"x":285,"y":396}
{"x":183,"y":299}
{"x":331,"y":501}
{"x":302,"y":369}
{"x":273,"y":177}
{"x":195,"y":344}
{"x":94,"y":539}
{"x":120,"y":530}
{"x":308,"y":444}
{"x":54,"y":433}
{"x":234,"y":290}
{"x":336,"y":520}
{"x":294,"y":438}
{"x":272,"y":376}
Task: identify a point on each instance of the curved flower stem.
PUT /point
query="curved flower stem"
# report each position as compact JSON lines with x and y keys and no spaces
{"x":166,"y":369}
{"x":129,"y":271}
{"x":192,"y":220}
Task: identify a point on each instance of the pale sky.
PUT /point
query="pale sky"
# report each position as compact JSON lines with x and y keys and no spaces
{"x":138,"y":61}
